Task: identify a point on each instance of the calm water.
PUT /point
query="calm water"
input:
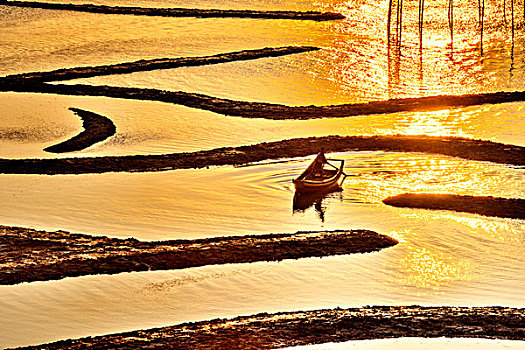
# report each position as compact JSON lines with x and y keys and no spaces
{"x":444,"y":258}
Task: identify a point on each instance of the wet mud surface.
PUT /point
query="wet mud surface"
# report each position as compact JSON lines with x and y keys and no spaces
{"x":179,"y":12}
{"x":267,"y":110}
{"x":270,"y":331}
{"x":96,"y":128}
{"x":299,"y":147}
{"x":28,"y":255}
{"x":484,"y":205}
{"x":149,"y":65}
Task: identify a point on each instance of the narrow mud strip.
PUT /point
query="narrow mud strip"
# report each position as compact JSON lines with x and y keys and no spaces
{"x":28,"y":255}
{"x":269,"y":110}
{"x":513,"y":208}
{"x":96,"y":128}
{"x":180,"y":12}
{"x":286,"y":329}
{"x":299,"y":147}
{"x":149,"y":65}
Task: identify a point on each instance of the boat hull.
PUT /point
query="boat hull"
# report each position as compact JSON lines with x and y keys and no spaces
{"x":304,"y":186}
{"x":332,"y":183}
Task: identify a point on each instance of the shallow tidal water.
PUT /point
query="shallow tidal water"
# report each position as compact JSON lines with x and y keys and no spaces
{"x":444,"y":258}
{"x":30,"y":122}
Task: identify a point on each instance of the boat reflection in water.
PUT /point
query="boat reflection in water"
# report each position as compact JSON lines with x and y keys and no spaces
{"x":319,"y":180}
{"x":304,"y":200}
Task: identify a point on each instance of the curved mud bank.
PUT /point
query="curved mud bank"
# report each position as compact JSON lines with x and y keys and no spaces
{"x":272,"y":331}
{"x":180,"y":12}
{"x":299,"y":147}
{"x":154,"y":64}
{"x":268,"y":110}
{"x":96,"y":128}
{"x":29,"y":255}
{"x":483,"y":205}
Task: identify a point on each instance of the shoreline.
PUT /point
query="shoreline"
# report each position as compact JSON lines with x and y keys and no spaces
{"x":29,"y":255}
{"x":513,"y":208}
{"x":97,"y":128}
{"x":470,"y":149}
{"x":179,"y":12}
{"x":285,"y":329}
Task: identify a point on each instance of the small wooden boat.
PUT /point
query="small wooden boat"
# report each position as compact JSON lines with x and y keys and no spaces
{"x":320,"y":176}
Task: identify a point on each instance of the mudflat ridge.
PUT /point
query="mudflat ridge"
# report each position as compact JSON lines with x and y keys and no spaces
{"x":179,"y":12}
{"x":299,"y":147}
{"x":268,"y":110}
{"x":36,"y":82}
{"x":271,"y":331}
{"x":149,"y":65}
{"x":484,"y":205}
{"x":96,"y":128}
{"x":28,"y":255}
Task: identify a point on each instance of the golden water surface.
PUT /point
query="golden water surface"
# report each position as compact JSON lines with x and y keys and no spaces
{"x":444,"y":258}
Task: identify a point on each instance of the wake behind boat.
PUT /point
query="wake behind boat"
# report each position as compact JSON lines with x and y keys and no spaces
{"x":320,"y":176}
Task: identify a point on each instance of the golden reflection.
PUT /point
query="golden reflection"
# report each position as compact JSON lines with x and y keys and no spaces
{"x":437,"y":123}
{"x":394,"y":174}
{"x":494,"y":228}
{"x":425,"y":269}
{"x":440,"y":59}
{"x":401,"y":235}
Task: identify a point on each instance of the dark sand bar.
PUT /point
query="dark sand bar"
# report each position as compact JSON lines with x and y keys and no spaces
{"x":28,"y":255}
{"x":299,"y":147}
{"x":179,"y":12}
{"x":267,"y":110}
{"x":149,"y":65}
{"x":513,"y":208}
{"x":96,"y":128}
{"x":272,"y":331}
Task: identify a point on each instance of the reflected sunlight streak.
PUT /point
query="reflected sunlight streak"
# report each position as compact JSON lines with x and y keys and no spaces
{"x":436,"y":123}
{"x":425,"y":269}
